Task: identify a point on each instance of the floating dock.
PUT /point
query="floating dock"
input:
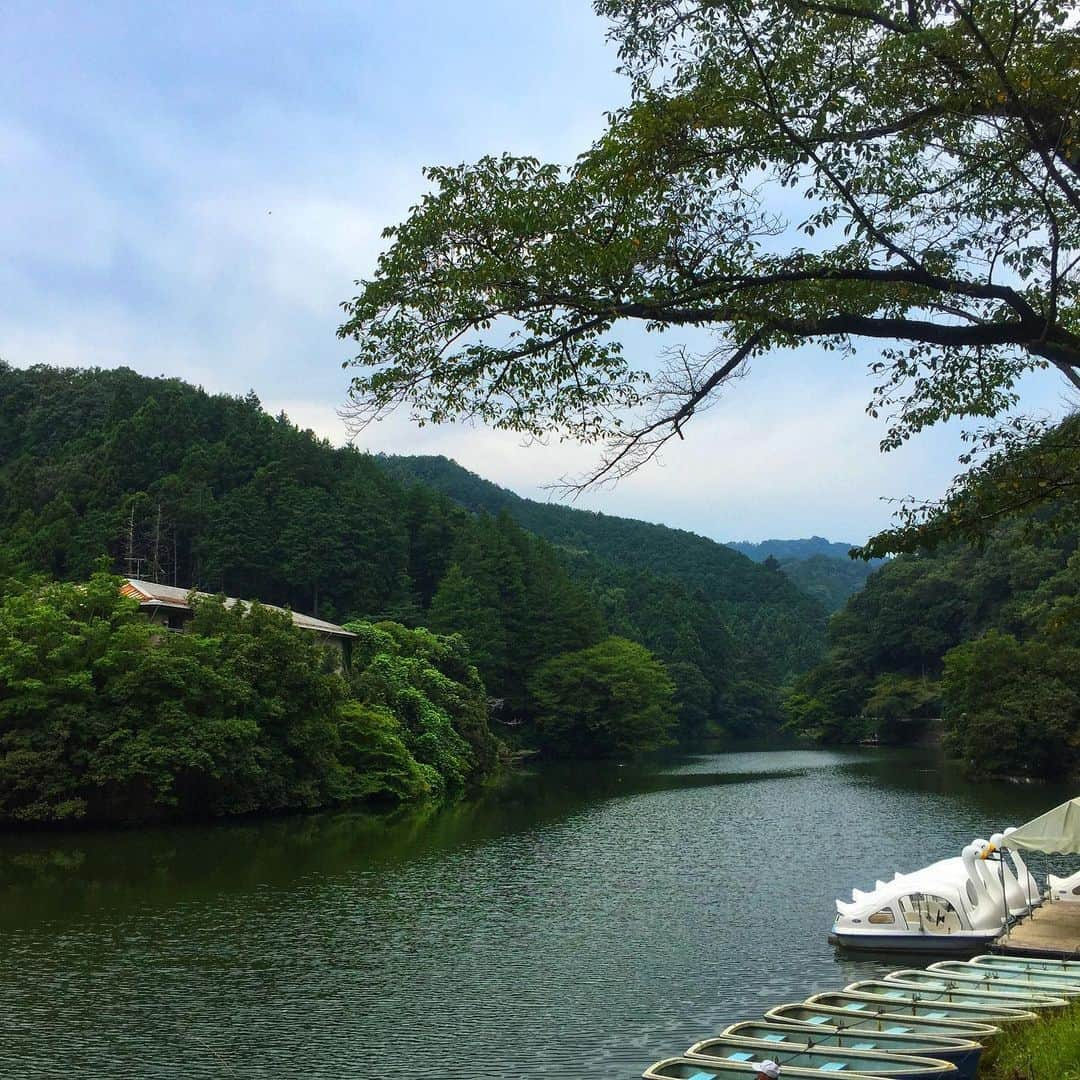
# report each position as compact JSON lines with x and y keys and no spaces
{"x":1050,"y":932}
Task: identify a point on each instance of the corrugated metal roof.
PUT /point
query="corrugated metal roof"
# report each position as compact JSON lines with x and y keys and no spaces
{"x":151,"y":594}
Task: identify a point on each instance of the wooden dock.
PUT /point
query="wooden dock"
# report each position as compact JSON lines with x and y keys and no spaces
{"x":1051,"y":931}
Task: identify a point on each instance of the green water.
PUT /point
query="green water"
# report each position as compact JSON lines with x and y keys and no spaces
{"x":576,"y":922}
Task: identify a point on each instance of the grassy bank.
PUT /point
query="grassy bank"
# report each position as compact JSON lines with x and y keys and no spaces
{"x":1047,"y":1049}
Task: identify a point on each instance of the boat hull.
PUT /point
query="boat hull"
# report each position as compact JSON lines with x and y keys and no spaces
{"x":684,"y":1068}
{"x":1065,"y":968}
{"x":779,"y":1037}
{"x":1005,"y":978}
{"x":938,"y":944}
{"x":932,"y":1009}
{"x":801,"y":1014}
{"x":826,"y":1058}
{"x":941,"y":990}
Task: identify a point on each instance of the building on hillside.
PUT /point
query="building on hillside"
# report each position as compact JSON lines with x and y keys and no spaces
{"x":169,"y":607}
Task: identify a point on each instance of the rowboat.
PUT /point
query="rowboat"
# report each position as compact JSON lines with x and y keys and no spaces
{"x":823,"y":1058}
{"x":933,"y":1008}
{"x":771,"y":1038}
{"x":946,"y":980}
{"x":821,"y":1016}
{"x":1059,"y":986}
{"x":1061,"y":968}
{"x":685,"y":1068}
{"x":932,"y":989}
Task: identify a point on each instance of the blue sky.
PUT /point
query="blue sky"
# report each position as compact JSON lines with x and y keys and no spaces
{"x":191,"y":190}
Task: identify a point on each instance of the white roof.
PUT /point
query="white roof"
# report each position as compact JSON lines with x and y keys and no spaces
{"x":151,"y":594}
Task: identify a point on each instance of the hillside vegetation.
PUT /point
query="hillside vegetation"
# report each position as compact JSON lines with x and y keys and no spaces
{"x":985,"y":635}
{"x":777,"y":629}
{"x":823,"y":569}
{"x":167,"y":482}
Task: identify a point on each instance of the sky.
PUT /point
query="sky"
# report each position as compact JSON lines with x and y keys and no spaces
{"x":191,"y":190}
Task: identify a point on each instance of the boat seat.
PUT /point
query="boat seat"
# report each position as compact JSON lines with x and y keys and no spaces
{"x":936,"y":1015}
{"x":833,"y":1066}
{"x":771,"y":1036}
{"x":863,"y":1046}
{"x":819,"y":1020}
{"x":898,"y":1030}
{"x":740,"y":1057}
{"x":703,"y":1076}
{"x":854,"y":1006}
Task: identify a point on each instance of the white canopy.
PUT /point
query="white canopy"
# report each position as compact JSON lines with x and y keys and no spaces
{"x":1055,"y":832}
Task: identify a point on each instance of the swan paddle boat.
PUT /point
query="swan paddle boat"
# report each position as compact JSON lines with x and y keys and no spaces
{"x":823,"y":1058}
{"x":838,"y":1018}
{"x":941,"y":990}
{"x":774,"y":1038}
{"x":945,"y":907}
{"x":685,"y":1068}
{"x":1064,"y":888}
{"x":925,"y":1005}
{"x":1040,"y":981}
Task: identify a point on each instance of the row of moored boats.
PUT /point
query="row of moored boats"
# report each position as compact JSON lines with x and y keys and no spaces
{"x":916,"y":1024}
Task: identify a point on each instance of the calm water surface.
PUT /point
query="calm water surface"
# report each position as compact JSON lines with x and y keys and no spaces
{"x":577,"y":922}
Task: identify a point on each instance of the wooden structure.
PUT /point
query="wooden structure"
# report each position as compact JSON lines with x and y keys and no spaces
{"x":1050,"y":932}
{"x":170,"y":607}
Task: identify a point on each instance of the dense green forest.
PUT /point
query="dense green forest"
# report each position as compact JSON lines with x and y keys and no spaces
{"x":790,"y":550}
{"x":984,"y":635}
{"x":106,"y":718}
{"x":210,"y":490}
{"x":777,"y":630}
{"x":818,"y":567}
{"x":165,"y":482}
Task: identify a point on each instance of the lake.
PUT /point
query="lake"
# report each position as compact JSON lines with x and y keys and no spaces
{"x":575,"y":922}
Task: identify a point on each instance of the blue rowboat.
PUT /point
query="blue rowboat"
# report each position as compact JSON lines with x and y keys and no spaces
{"x":1038,"y":995}
{"x":931,"y":1007}
{"x":1040,"y":981}
{"x":823,"y":1058}
{"x":1069,"y":969}
{"x":942,"y":990}
{"x":806,"y":1014}
{"x":684,"y":1068}
{"x":780,"y":1037}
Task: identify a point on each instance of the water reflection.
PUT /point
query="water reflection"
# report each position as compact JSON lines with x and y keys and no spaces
{"x":577,"y":921}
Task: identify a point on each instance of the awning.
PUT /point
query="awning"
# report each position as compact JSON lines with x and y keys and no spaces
{"x":1057,"y":832}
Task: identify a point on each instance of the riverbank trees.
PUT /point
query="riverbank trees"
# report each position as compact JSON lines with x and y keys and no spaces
{"x":104,"y":717}
{"x":984,"y":635}
{"x":610,"y":700}
{"x":188,"y":488}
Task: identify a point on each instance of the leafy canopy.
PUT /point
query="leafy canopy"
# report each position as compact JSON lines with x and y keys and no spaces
{"x":787,"y":171}
{"x":610,"y":700}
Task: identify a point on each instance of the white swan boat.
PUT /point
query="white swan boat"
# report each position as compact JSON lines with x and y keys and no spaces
{"x":960,"y":904}
{"x":1064,"y":888}
{"x":945,"y":907}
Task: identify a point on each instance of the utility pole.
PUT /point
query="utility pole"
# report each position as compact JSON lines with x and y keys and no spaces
{"x":157,"y":545}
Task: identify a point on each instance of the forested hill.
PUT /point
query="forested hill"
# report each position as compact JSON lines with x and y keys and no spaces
{"x":788,"y":550}
{"x":820,"y":568}
{"x":770,"y":618}
{"x":985,"y":636}
{"x":170,"y":483}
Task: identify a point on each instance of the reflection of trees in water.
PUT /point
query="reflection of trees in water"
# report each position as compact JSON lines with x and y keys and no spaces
{"x":929,"y":770}
{"x":47,"y":875}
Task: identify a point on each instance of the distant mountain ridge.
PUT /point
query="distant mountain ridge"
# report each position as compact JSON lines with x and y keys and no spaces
{"x":821,"y":568}
{"x":785,"y":550}
{"x":772,"y":620}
